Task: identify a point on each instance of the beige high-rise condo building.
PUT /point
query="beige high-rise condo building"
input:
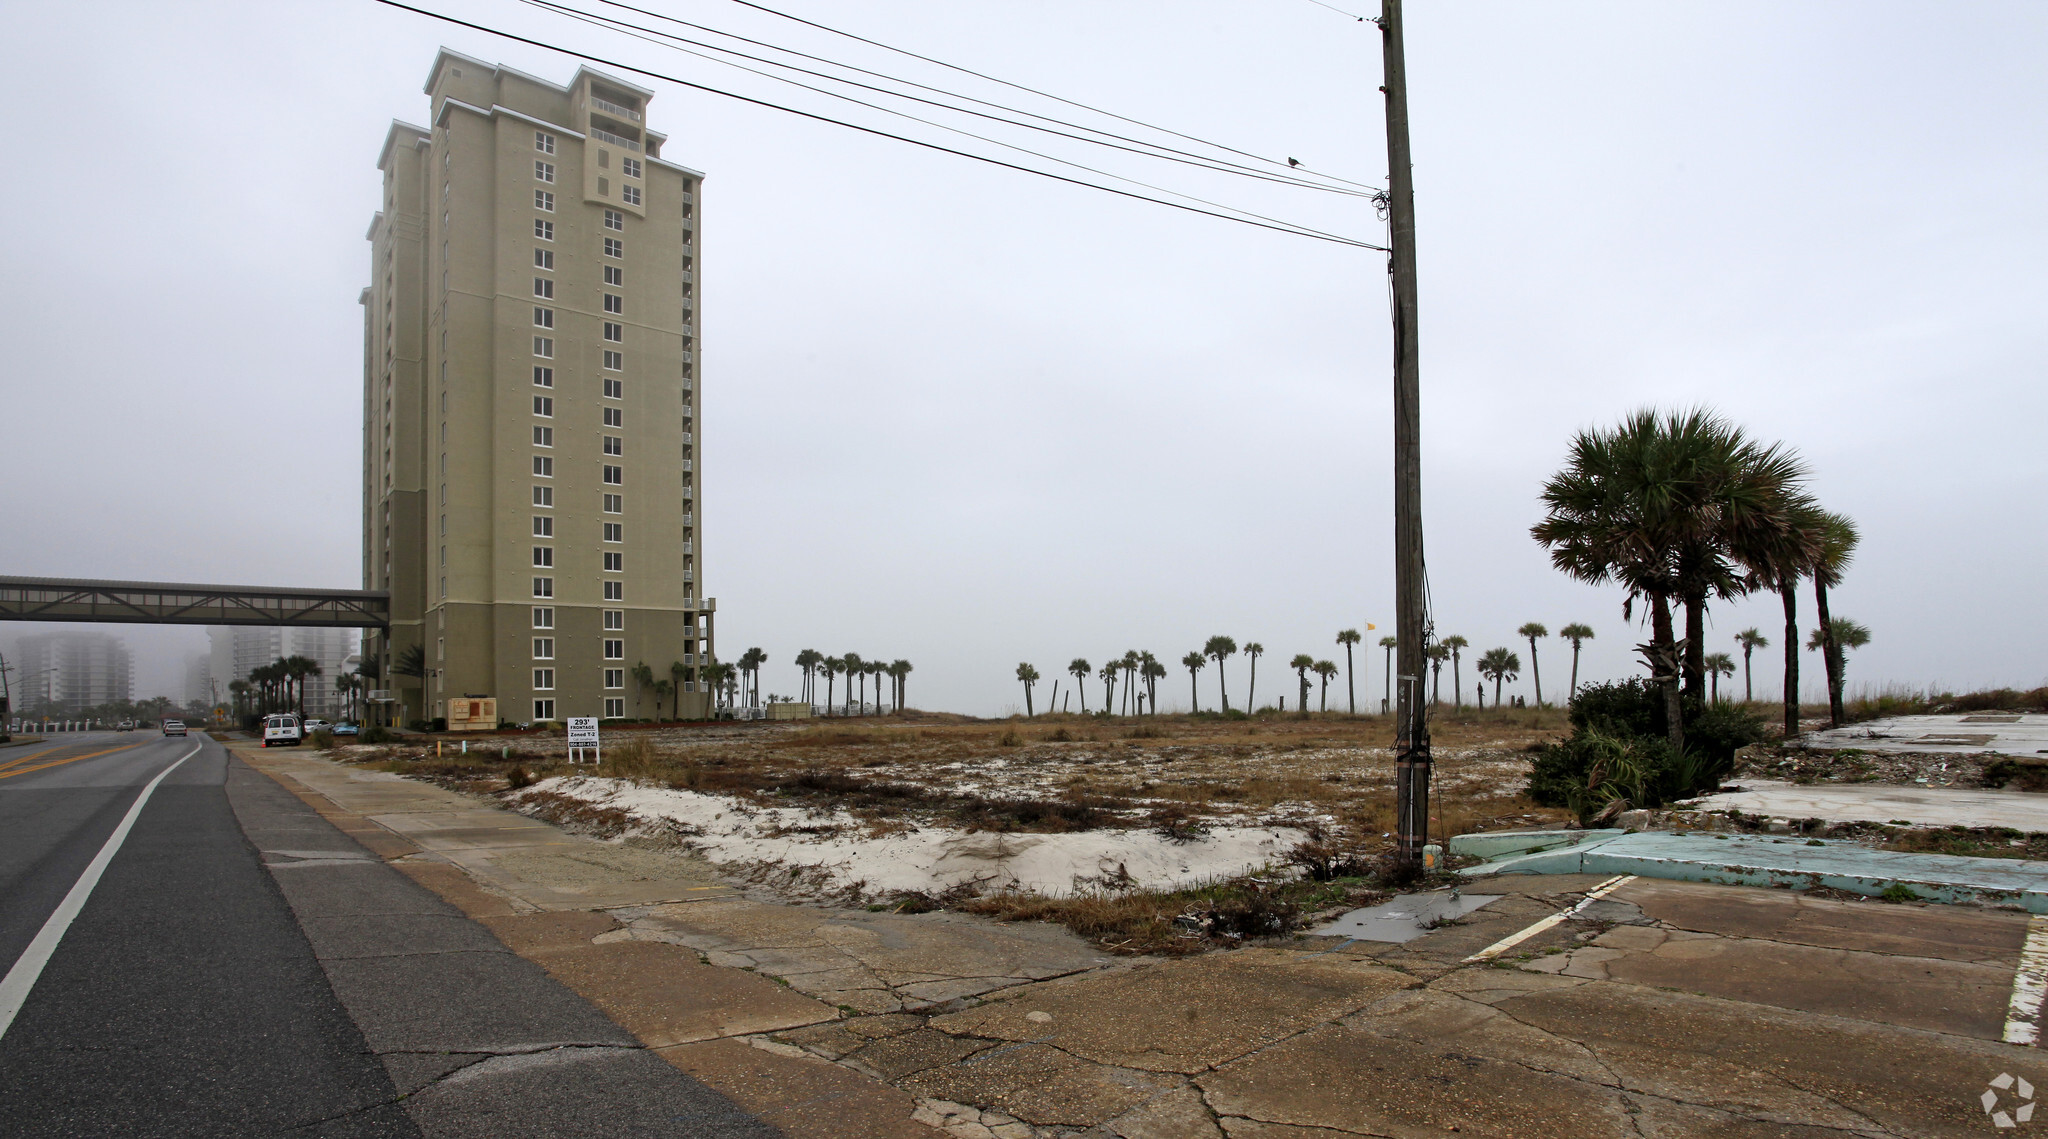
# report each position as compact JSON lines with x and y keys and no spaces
{"x":531,"y":446}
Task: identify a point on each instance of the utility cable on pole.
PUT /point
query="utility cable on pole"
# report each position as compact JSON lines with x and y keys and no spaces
{"x":1411,"y":591}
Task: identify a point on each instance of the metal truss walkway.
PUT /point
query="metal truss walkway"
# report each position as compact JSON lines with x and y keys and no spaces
{"x":169,"y":603}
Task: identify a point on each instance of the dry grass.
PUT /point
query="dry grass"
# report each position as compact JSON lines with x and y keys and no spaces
{"x":1055,"y":772}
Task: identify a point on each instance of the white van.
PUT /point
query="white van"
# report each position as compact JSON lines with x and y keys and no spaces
{"x":281,"y":729}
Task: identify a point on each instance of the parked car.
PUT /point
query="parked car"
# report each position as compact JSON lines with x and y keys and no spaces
{"x":282,"y":729}
{"x":315,"y":724}
{"x":347,"y":728}
{"x":174,"y":727}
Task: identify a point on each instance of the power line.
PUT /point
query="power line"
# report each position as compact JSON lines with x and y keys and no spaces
{"x":608,"y":24}
{"x":1291,"y":177}
{"x":516,"y":38}
{"x":1042,"y":94}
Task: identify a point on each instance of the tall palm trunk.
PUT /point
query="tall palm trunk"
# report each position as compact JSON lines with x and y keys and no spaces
{"x":1666,"y":665}
{"x":1696,"y":648}
{"x":1536,"y":672}
{"x":1222,"y":689}
{"x":1573,"y":694}
{"x":1350,"y":682}
{"x":1387,"y":700}
{"x":1457,"y":683}
{"x":1748,"y":693}
{"x":1251,"y":695}
{"x":1830,"y":652}
{"x":1789,"y":591}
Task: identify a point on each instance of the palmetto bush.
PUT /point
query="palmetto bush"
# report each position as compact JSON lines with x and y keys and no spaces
{"x":1619,"y":755}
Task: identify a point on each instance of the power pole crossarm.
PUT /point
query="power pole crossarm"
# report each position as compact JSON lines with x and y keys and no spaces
{"x":1411,"y":741}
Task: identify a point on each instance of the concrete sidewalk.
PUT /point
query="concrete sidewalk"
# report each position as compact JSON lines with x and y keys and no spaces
{"x":1883,"y":803}
{"x":1665,"y":1009}
{"x":2007,"y":733}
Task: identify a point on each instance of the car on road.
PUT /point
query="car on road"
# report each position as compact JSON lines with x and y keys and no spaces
{"x":125,"y":726}
{"x":174,"y":727}
{"x":347,"y":728}
{"x":283,"y":729}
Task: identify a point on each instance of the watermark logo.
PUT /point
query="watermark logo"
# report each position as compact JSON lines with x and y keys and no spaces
{"x":2009,"y":1101}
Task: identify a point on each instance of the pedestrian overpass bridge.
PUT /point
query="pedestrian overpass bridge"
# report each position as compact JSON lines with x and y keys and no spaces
{"x":173,"y":603}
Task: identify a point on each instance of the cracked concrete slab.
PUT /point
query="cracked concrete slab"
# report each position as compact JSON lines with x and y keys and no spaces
{"x":803,"y":1098}
{"x":1952,"y":933}
{"x":1185,"y":1015}
{"x":1041,"y":1084}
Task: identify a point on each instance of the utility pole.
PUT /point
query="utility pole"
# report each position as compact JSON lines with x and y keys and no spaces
{"x":1411,"y":630}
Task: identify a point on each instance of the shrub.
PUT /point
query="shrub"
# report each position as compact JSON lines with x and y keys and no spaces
{"x":518,"y":777}
{"x":1633,"y":707}
{"x":1618,"y":755}
{"x":322,"y":739}
{"x":377,"y":734}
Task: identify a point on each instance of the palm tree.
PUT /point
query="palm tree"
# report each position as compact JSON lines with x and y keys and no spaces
{"x":1078,"y":668}
{"x":1533,"y":630}
{"x":851,"y":663}
{"x":1133,"y":662}
{"x":1301,"y":664}
{"x":1194,"y":662}
{"x":643,"y":677}
{"x":1151,"y":672}
{"x":1667,"y":506}
{"x":1218,"y":649}
{"x":1838,"y":545}
{"x":831,"y":667}
{"x":1837,"y":637}
{"x":1750,"y":640}
{"x":1457,"y":645}
{"x":1325,"y":669}
{"x":807,"y":661}
{"x":1029,"y":676}
{"x":901,"y":670}
{"x":1437,"y":654}
{"x":676,"y":671}
{"x":1498,"y":665}
{"x":1778,"y":561}
{"x":1348,"y":638}
{"x":238,"y":693}
{"x":1388,"y":642}
{"x":663,"y":689}
{"x":1108,"y":676}
{"x":750,"y":663}
{"x":1253,"y":650}
{"x":1578,"y":635}
{"x":1718,"y":666}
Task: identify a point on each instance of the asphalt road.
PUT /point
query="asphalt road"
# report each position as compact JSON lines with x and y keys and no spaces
{"x":241,"y":967}
{"x":183,"y":999}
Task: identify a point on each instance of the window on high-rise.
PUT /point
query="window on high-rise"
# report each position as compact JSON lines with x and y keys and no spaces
{"x":613,"y":247}
{"x":543,"y":648}
{"x":614,"y":476}
{"x":616,"y":333}
{"x":615,"y":678}
{"x":544,"y":405}
{"x":630,"y":167}
{"x":543,"y":317}
{"x":630,"y":194}
{"x":544,"y":259}
{"x":544,"y":467}
{"x":614,"y":389}
{"x":614,"y":618}
{"x":614,"y":445}
{"x":543,"y":436}
{"x":543,"y":617}
{"x":545,"y":709}
{"x":545,"y":171}
{"x":614,"y":706}
{"x":543,"y":377}
{"x":544,"y":229}
{"x":615,"y":591}
{"x":543,"y":679}
{"x":544,"y":142}
{"x":614,"y":275}
{"x":614,"y":303}
{"x":615,"y":649}
{"x":614,"y":532}
{"x":544,"y":347}
{"x":614,"y":562}
{"x":614,"y":417}
{"x":544,"y":200}
{"x":544,"y":557}
{"x":614,"y":361}
{"x":615,"y":504}
{"x":543,"y":587}
{"x":543,"y":287}
{"x":613,"y":219}
{"x":543,"y":526}
{"x":543,"y":495}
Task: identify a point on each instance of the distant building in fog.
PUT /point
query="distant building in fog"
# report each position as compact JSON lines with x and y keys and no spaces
{"x":65,"y":673}
{"x":198,"y":687}
{"x":238,"y":650}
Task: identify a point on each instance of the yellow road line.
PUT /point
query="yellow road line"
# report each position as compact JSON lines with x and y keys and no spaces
{"x":62,"y":762}
{"x":31,"y":755}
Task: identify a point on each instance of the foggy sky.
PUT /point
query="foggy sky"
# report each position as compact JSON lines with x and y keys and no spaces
{"x":969,"y":417}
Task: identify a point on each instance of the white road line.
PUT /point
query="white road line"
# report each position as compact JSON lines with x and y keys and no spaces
{"x":15,"y":988}
{"x":2029,"y":986}
{"x":1517,"y":938}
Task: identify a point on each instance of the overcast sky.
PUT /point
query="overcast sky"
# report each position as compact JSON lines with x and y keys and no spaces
{"x":968,"y":417}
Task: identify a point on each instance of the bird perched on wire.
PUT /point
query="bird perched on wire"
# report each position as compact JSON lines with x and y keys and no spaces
{"x":1294,"y":162}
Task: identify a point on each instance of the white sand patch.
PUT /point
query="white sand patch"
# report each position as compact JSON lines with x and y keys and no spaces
{"x":840,"y":855}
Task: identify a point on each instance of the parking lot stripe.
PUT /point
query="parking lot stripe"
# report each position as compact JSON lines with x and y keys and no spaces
{"x":2029,"y":986}
{"x":1517,"y":938}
